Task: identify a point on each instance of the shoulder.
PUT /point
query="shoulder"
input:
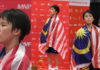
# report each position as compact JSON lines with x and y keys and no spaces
{"x":20,"y":55}
{"x":26,"y":59}
{"x":47,"y":20}
{"x":81,"y":32}
{"x":97,"y":29}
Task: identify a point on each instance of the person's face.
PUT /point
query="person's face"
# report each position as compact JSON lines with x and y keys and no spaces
{"x":6,"y":33}
{"x":53,"y":11}
{"x":88,"y":18}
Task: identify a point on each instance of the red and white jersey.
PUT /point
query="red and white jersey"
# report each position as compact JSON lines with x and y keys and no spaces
{"x":16,"y":59}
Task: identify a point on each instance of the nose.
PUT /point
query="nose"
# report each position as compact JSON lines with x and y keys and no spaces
{"x":89,"y":17}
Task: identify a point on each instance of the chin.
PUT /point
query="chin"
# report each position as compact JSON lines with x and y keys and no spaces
{"x":1,"y":42}
{"x":89,"y":23}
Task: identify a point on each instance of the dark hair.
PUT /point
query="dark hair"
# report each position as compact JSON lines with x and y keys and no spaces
{"x":56,"y":8}
{"x":89,"y":11}
{"x":18,"y":19}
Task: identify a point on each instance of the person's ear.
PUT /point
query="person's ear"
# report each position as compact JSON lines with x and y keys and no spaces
{"x":56,"y":12}
{"x":17,"y":32}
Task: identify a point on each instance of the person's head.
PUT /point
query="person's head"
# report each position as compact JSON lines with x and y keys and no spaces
{"x":13,"y":23}
{"x":54,"y":10}
{"x":88,"y":17}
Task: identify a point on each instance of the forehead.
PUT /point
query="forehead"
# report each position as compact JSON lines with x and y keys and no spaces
{"x":52,"y":8}
{"x":3,"y":19}
{"x":87,"y":13}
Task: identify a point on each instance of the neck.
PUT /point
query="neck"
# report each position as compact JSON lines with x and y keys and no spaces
{"x":53,"y":16}
{"x":89,"y":26}
{"x":11,"y":45}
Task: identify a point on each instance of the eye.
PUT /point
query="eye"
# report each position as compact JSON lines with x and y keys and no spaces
{"x":3,"y":25}
{"x":90,"y":15}
{"x":86,"y":15}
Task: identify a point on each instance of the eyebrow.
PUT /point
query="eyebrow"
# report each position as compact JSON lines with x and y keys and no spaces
{"x":4,"y":22}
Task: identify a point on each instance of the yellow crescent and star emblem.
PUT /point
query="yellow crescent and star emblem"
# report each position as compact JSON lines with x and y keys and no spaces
{"x":81,"y":33}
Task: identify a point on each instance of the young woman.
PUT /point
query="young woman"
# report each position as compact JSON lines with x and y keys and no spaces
{"x":85,"y":44}
{"x":53,"y":36}
{"x":14,"y":25}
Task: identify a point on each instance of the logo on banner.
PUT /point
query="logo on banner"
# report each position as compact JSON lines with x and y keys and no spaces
{"x":24,"y":6}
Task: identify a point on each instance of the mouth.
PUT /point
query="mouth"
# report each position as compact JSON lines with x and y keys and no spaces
{"x":89,"y":21}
